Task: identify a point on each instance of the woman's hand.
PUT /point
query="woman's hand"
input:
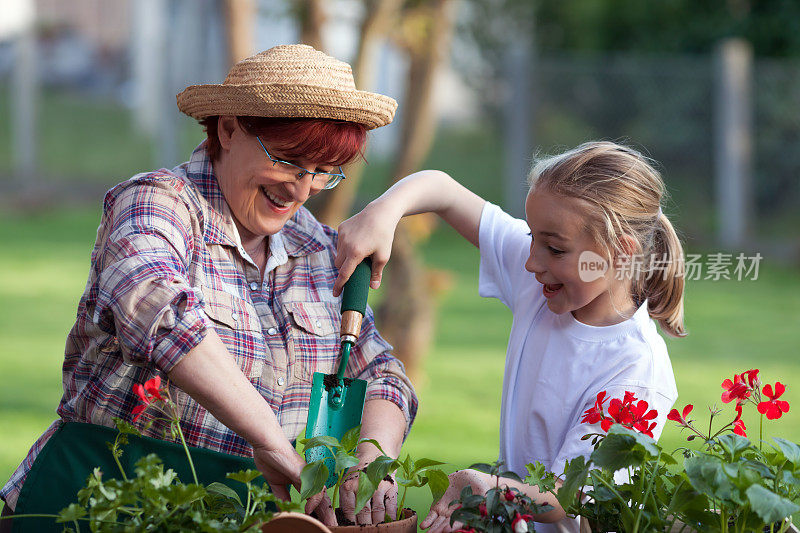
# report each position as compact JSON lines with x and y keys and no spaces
{"x":382,"y":503}
{"x":281,"y":468}
{"x":369,"y":233}
{"x":438,"y":519}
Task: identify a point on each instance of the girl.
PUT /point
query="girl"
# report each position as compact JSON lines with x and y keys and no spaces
{"x":596,"y":263}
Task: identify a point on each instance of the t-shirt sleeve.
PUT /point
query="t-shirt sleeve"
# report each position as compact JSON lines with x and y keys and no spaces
{"x":504,"y":243}
{"x":573,"y":445}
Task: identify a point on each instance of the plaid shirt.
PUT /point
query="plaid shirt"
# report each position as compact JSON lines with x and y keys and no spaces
{"x":167,"y":266}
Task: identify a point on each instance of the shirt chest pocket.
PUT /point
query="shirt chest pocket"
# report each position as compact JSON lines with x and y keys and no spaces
{"x":237,"y":325}
{"x":313,"y":342}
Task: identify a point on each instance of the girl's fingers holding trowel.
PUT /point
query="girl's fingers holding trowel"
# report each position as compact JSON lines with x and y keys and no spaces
{"x":369,"y":233}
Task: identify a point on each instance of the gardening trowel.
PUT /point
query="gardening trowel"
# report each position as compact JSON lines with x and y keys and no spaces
{"x":336,"y":401}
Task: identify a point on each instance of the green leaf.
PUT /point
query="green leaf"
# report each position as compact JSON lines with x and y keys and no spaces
{"x":482,"y":467}
{"x":789,"y":449}
{"x":770,"y":506}
{"x":733,"y":445}
{"x":438,"y":482}
{"x":381,"y":467}
{"x":125,"y":428}
{"x":707,"y":475}
{"x":350,"y":439}
{"x":244,"y":476}
{"x":423,"y":463}
{"x":511,"y":475}
{"x":575,"y":473}
{"x":624,"y":447}
{"x":366,"y":488}
{"x":373,"y":442}
{"x":312,"y":479}
{"x":224,"y":490}
{"x":344,"y":461}
{"x":322,"y":440}
{"x":539,"y":477}
{"x":71,"y":513}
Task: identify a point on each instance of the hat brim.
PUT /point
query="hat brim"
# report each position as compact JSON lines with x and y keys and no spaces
{"x":275,"y":100}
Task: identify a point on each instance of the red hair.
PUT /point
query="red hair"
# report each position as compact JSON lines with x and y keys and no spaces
{"x":332,"y":142}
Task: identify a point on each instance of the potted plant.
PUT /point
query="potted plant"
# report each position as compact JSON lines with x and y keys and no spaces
{"x":500,"y":510}
{"x":727,"y":484}
{"x":417,"y":473}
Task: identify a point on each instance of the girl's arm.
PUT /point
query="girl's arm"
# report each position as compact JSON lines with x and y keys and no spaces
{"x":371,"y":232}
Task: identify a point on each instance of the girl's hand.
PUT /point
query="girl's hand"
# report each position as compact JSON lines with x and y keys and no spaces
{"x":369,"y":233}
{"x":438,"y":519}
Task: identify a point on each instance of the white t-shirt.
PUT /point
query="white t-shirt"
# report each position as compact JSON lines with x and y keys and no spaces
{"x":555,"y":365}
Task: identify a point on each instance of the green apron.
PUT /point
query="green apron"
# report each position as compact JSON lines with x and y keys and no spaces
{"x":75,"y":449}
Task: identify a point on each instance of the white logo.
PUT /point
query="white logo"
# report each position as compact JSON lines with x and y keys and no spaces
{"x":591,"y":266}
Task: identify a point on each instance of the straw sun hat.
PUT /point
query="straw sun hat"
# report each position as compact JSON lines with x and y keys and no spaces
{"x":289,"y":81}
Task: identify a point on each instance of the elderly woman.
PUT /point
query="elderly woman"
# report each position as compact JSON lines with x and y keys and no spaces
{"x":215,"y":276}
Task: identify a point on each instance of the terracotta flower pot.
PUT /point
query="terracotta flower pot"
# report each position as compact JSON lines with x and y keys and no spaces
{"x":294,"y":523}
{"x":406,"y":524}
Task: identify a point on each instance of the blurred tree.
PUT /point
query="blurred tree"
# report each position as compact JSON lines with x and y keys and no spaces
{"x":240,"y":16}
{"x":423,"y":30}
{"x":379,"y":17}
{"x":406,"y":315}
{"x":311,"y":17}
{"x":663,"y":26}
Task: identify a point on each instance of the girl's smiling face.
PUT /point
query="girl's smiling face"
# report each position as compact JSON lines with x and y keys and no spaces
{"x":558,"y":238}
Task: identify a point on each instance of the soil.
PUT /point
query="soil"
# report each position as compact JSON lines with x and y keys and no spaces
{"x":341,"y":520}
{"x":330,"y":381}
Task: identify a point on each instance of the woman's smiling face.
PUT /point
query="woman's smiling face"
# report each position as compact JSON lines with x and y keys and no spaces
{"x":262,"y":196}
{"x":558,"y":238}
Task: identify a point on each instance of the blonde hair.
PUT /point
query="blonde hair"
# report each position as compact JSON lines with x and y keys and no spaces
{"x":624,"y":193}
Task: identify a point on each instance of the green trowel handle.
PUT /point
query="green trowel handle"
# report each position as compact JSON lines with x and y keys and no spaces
{"x":354,"y":306}
{"x":356,"y":289}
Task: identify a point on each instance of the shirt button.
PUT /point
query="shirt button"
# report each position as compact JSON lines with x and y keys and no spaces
{"x":235,"y":318}
{"x":281,"y":381}
{"x":319,"y":323}
{"x":272,"y":331}
{"x":253,"y":286}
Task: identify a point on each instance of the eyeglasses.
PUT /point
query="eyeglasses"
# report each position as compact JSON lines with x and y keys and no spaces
{"x":330,"y":179}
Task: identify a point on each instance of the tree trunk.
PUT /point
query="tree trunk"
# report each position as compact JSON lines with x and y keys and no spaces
{"x":240,"y":18}
{"x":406,"y":317}
{"x":311,"y":16}
{"x":378,"y":18}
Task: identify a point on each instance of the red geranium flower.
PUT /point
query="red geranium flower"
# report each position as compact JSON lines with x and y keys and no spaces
{"x":678,"y":417}
{"x":773,"y":408}
{"x":736,"y":390}
{"x":751,"y":376}
{"x":738,"y":424}
{"x":593,"y":415}
{"x":147,"y":393}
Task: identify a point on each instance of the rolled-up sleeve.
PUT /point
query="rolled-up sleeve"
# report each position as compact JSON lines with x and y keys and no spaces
{"x":385,"y":374}
{"x":142,"y":282}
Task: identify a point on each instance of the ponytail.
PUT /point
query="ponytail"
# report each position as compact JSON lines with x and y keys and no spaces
{"x":663,"y":287}
{"x":624,"y":194}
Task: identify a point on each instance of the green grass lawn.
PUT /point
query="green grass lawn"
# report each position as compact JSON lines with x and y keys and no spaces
{"x":733,"y":326}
